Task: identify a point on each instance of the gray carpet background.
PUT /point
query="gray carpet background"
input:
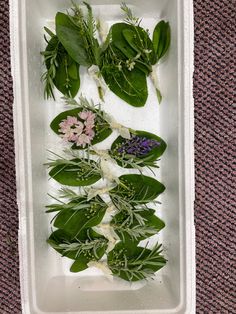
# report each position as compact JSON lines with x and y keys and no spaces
{"x":215,"y":217}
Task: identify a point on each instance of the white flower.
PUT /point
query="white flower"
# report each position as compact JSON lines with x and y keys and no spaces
{"x":119,"y":66}
{"x":130,"y":65}
{"x":147,"y":51}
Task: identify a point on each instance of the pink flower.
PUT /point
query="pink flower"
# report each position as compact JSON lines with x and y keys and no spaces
{"x":78,"y":128}
{"x":83,"y":115}
{"x":91,"y":116}
{"x":72,"y":120}
{"x":83,"y":140}
{"x":87,"y":115}
{"x":68,"y":135}
{"x":90,"y":132}
{"x":81,"y":133}
{"x":69,"y":121}
{"x":89,"y":124}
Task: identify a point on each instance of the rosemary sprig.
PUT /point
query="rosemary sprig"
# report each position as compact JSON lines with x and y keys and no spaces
{"x":89,"y":246}
{"x":74,"y":172}
{"x":128,"y":160}
{"x":82,"y":166}
{"x":50,"y":60}
{"x":130,"y":18}
{"x":134,"y":232}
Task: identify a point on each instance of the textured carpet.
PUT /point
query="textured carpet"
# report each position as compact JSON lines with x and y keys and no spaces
{"x":215,"y":216}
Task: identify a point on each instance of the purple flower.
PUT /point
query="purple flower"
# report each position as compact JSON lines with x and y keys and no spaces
{"x":138,"y":146}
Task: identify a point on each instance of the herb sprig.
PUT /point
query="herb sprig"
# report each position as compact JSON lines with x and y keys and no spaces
{"x":137,"y":264}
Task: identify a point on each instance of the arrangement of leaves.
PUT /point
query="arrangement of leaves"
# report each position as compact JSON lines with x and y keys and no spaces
{"x":129,"y":230}
{"x":78,"y":214}
{"x":134,"y":263}
{"x":87,"y":134}
{"x":74,"y":172}
{"x":85,"y":247}
{"x":124,"y":60}
{"x":141,"y":150}
{"x":61,"y":70}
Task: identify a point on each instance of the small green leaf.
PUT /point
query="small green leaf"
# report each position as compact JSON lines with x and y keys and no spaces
{"x":71,"y":39}
{"x":159,"y":95}
{"x":50,"y":33}
{"x":161,"y":38}
{"x":79,"y":265}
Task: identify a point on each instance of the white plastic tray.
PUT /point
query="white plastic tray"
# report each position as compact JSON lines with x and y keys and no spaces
{"x":46,"y":284}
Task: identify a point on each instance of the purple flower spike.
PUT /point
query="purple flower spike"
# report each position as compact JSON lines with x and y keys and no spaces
{"x":138,"y":146}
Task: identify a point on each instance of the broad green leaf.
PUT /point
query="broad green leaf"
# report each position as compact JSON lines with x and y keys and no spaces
{"x":75,"y":173}
{"x":119,"y":41}
{"x":131,"y":86}
{"x":161,"y":38}
{"x":101,"y":132}
{"x":136,"y":187}
{"x":74,"y":220}
{"x":135,"y":263}
{"x":71,"y":38}
{"x":153,"y":155}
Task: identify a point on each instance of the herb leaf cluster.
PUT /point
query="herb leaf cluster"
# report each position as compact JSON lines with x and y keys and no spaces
{"x":124,"y":60}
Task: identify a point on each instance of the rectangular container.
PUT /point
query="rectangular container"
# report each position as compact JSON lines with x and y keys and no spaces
{"x":46,"y":284}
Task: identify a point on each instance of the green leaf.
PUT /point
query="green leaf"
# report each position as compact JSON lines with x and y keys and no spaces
{"x":119,"y":40}
{"x":71,"y":38}
{"x":50,"y":33}
{"x":101,"y":132}
{"x":139,"y":40}
{"x":74,"y":220}
{"x":75,"y":172}
{"x":148,"y":158}
{"x":131,"y":86}
{"x":79,"y":265}
{"x":133,"y":263}
{"x":161,"y":38}
{"x":159,"y":95}
{"x":67,"y":79}
{"x":135,"y":187}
